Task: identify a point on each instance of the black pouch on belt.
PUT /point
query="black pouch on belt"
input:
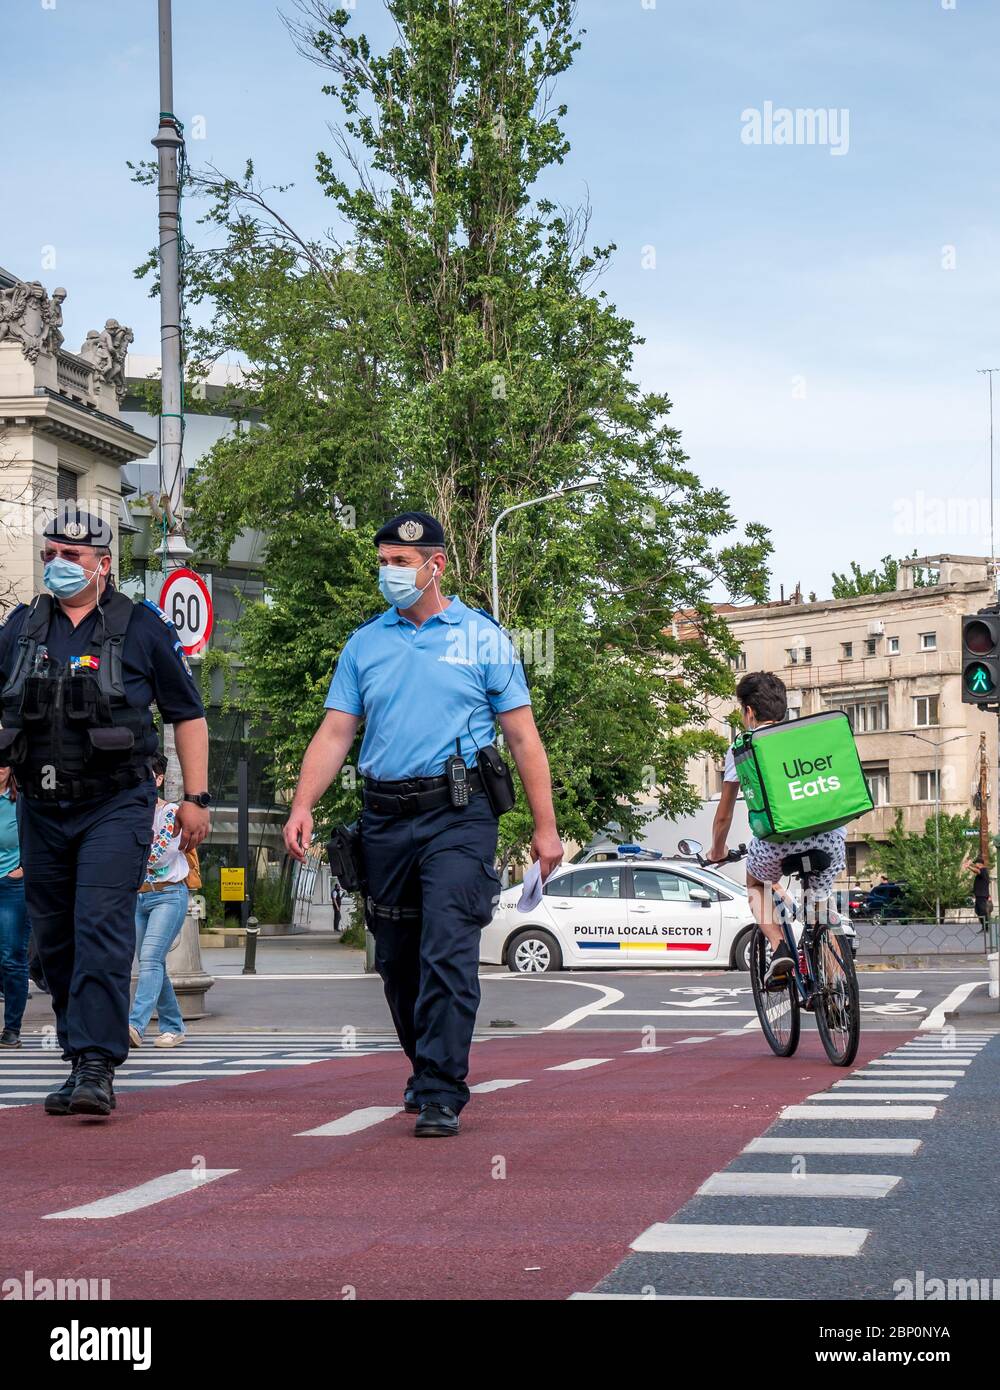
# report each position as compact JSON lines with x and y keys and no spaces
{"x":346,"y":857}
{"x":496,"y":779}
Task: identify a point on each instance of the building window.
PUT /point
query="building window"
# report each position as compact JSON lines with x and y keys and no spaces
{"x":927,"y":786}
{"x":739,"y":661}
{"x":846,"y":650}
{"x":878,"y":780}
{"x":868,"y":714}
{"x":799,"y":656}
{"x":66,"y":483}
{"x":925,"y":711}
{"x":893,"y":647}
{"x":928,"y":641}
{"x":871,"y":646}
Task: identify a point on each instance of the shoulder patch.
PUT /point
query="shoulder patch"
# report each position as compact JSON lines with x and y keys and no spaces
{"x":178,"y":649}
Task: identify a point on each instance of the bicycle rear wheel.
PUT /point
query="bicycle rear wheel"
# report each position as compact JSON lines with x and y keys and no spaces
{"x":838,"y":1013}
{"x":777,"y":1009}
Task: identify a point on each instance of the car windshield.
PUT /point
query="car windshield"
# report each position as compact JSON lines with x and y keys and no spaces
{"x":721,"y":879}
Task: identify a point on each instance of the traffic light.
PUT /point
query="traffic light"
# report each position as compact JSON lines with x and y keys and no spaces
{"x":981,"y":658}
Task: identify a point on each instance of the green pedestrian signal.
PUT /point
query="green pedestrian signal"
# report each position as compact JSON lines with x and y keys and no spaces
{"x":979,"y":680}
{"x":981,"y":658}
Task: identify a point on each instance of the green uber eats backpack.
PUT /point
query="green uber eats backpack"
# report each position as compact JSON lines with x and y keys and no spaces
{"x":801,"y":776}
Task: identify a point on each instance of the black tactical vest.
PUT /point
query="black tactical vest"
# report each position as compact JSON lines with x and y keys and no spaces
{"x":68,"y":732}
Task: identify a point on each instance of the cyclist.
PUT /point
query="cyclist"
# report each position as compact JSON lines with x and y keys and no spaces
{"x":764,"y":700}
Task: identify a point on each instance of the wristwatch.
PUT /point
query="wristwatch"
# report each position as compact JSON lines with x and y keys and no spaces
{"x":201,"y":799}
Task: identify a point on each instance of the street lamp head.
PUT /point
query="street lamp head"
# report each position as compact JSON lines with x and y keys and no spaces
{"x":583,"y":486}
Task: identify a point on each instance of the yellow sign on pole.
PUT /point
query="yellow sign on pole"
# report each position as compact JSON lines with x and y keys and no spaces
{"x":233,"y":885}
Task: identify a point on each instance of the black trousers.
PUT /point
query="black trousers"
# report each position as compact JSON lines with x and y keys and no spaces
{"x":82,"y":868}
{"x":441,"y":863}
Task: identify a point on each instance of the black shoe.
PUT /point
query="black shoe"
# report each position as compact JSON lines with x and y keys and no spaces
{"x":8,"y":1038}
{"x":781,"y":966}
{"x":410,"y":1103}
{"x":436,"y":1122}
{"x":57,"y":1102}
{"x":94,"y":1091}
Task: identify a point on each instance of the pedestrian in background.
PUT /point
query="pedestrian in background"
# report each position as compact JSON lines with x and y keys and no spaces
{"x":981,"y":893}
{"x":14,"y":930}
{"x":160,"y":910}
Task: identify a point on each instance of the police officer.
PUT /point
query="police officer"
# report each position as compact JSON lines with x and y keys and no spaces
{"x":79,"y":667}
{"x":429,"y":677}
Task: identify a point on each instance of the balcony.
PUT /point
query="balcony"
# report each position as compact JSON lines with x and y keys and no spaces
{"x":871,"y":670}
{"x":75,"y":378}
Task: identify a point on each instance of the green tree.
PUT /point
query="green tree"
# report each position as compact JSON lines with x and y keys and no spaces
{"x":912,"y":857}
{"x":452,"y":352}
{"x":876,"y":581}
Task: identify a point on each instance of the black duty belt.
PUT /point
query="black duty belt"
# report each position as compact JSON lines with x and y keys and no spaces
{"x":82,"y":788}
{"x":413,"y":795}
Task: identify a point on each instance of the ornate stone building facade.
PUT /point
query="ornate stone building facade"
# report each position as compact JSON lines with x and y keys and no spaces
{"x":62,"y":434}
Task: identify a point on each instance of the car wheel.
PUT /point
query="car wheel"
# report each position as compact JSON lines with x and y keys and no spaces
{"x":533,"y":952}
{"x":741,"y":950}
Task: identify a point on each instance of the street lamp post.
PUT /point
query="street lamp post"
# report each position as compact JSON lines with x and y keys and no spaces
{"x":937,"y":808}
{"x":585,"y":486}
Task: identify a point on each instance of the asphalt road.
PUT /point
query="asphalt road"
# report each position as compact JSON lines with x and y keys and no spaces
{"x":629,"y":1000}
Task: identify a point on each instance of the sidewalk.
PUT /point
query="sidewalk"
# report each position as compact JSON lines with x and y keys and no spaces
{"x":313,"y":953}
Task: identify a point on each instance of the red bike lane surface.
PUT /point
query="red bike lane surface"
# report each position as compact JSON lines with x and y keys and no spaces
{"x":539,"y":1197}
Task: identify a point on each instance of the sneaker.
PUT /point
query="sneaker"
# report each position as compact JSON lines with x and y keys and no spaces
{"x":134,"y":1036}
{"x":8,"y":1038}
{"x":781,"y":966}
{"x":169,"y":1040}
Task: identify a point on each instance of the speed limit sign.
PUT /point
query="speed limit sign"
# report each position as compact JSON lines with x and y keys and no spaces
{"x":188,"y":604}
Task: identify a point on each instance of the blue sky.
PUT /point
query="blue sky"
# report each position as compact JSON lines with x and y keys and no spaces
{"x":795,"y":305}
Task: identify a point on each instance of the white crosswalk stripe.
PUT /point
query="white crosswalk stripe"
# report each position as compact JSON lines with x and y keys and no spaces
{"x":30,"y":1072}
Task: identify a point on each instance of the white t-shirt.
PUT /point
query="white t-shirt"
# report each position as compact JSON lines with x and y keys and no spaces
{"x":167,"y":861}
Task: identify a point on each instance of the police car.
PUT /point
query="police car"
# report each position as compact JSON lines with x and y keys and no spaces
{"x":636,"y":909}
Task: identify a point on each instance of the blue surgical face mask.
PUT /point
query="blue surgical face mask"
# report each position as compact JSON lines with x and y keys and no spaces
{"x":64,"y":578}
{"x":398,"y":584}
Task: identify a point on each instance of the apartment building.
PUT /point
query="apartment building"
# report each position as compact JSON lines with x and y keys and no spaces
{"x":892,"y":661}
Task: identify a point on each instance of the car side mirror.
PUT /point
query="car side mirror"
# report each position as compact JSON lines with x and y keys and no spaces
{"x":700,"y":895}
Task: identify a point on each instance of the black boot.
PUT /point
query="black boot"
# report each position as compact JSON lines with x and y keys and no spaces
{"x":57,"y":1102}
{"x":94,"y":1091}
{"x":436,"y":1122}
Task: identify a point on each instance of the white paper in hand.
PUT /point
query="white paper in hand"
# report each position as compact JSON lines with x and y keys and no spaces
{"x":531,"y":888}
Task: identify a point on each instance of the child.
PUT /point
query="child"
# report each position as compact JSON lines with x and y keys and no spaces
{"x":764,"y":700}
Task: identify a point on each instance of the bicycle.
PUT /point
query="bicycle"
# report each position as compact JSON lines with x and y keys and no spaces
{"x":822,"y":980}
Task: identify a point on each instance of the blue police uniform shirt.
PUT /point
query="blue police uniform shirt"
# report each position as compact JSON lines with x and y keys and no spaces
{"x":153,"y":669}
{"x":420,"y":688}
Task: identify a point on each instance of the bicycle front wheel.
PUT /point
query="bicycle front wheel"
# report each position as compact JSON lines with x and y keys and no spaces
{"x":838,"y":1012}
{"x":777,"y":1009}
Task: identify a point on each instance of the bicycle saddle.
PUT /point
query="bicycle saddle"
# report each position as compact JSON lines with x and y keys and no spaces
{"x":809,"y":861}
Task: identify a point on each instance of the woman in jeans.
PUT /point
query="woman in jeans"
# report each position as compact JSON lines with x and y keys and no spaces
{"x":160,"y":910}
{"x":14,"y":930}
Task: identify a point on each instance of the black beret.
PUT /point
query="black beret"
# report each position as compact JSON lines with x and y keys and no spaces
{"x":411,"y":528}
{"x":72,"y":525}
